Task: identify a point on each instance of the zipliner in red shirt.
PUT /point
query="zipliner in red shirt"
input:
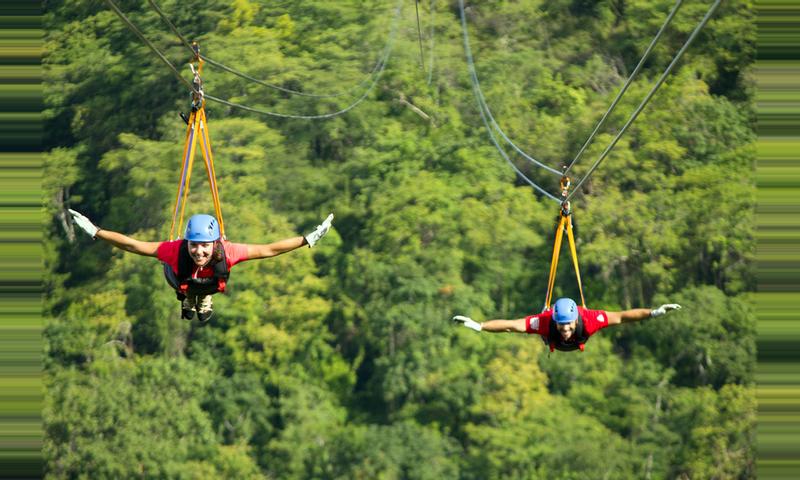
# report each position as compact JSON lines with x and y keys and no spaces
{"x":592,"y":321}
{"x":168,"y":253}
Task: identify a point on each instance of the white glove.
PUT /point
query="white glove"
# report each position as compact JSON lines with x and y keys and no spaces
{"x":83,"y":222}
{"x":313,"y":237}
{"x":664,"y":309}
{"x":468,"y":322}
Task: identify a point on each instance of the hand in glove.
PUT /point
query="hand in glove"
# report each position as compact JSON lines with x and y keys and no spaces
{"x":83,"y":222}
{"x":467,"y":322}
{"x":313,"y":237}
{"x":664,"y":309}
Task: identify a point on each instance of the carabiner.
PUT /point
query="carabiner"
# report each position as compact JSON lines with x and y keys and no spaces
{"x":196,"y":50}
{"x":565,"y":184}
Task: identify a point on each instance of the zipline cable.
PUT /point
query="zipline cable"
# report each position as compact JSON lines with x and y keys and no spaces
{"x":387,"y":52}
{"x":627,"y":84}
{"x":510,"y":162}
{"x":489,"y":128}
{"x":228,"y":69}
{"x":419,"y":35}
{"x":171,"y":25}
{"x":160,"y":55}
{"x":432,"y":7}
{"x":482,"y":100}
{"x":647,"y":98}
{"x":245,"y":76}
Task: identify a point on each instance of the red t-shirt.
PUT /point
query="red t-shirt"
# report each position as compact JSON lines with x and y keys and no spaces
{"x":593,"y":320}
{"x":168,"y":253}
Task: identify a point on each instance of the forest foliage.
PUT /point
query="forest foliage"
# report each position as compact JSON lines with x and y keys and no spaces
{"x":341,"y":361}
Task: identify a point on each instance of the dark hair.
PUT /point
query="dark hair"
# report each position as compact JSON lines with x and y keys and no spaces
{"x":219,"y":252}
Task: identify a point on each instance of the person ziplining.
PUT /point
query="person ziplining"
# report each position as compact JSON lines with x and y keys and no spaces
{"x":565,"y":326}
{"x":198,"y":265}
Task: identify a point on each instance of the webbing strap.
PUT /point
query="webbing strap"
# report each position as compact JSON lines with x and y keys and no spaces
{"x":564,"y":223}
{"x":182,"y":180}
{"x":554,"y":261}
{"x":186,"y":174}
{"x":197,"y":129}
{"x":212,"y":176}
{"x":574,"y":253}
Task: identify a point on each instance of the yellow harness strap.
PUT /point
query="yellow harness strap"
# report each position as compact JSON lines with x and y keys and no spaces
{"x":574,"y":253}
{"x":564,"y":224}
{"x":197,"y":127}
{"x":212,"y":175}
{"x":554,"y":261}
{"x":190,"y":145}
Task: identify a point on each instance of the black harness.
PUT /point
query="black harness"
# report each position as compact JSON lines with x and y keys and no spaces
{"x":576,"y":342}
{"x":185,"y":285}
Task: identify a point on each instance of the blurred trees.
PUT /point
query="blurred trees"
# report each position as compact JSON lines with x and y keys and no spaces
{"x":340,"y":362}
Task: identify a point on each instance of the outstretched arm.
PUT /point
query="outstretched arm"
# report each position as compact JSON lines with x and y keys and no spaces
{"x":275,"y":248}
{"x":124,"y":242}
{"x":289,"y":244}
{"x":626,"y":316}
{"x":493,"y":326}
{"x":637,"y":314}
{"x":500,"y":326}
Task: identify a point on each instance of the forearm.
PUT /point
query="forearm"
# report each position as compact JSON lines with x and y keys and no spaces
{"x":634,"y":315}
{"x":127,"y":243}
{"x":114,"y":238}
{"x":288,"y":245}
{"x":275,"y":248}
{"x":500,"y":326}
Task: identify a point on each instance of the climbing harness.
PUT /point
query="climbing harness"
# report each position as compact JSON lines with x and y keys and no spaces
{"x":183,"y":280}
{"x":185,"y":284}
{"x":197,"y":128}
{"x":554,"y":341}
{"x":564,"y":224}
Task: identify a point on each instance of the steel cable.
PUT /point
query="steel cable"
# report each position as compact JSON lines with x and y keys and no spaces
{"x":382,"y":66}
{"x":485,"y":117}
{"x":388,"y":50}
{"x":482,"y":100}
{"x":626,"y":85}
{"x":160,"y":55}
{"x":245,"y":76}
{"x":432,"y":7}
{"x":644,"y":102}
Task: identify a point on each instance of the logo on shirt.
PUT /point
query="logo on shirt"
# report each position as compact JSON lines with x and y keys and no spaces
{"x":601,"y":318}
{"x":534,"y":323}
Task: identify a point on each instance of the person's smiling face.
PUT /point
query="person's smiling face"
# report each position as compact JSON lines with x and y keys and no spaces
{"x":566,"y":329}
{"x":201,"y":252}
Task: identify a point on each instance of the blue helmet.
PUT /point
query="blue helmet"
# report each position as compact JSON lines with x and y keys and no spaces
{"x":202,"y":228}
{"x":565,"y":310}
